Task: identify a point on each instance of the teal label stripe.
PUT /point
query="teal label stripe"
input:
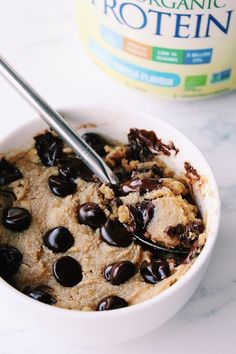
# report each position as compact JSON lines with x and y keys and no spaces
{"x":134,"y":72}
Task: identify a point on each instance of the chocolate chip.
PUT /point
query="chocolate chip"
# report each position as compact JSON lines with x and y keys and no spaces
{"x":119,"y":272}
{"x":67,"y":271}
{"x":16,"y":219}
{"x":8,"y":172}
{"x":144,"y":144}
{"x":154,"y":271}
{"x":92,"y":215}
{"x":115,"y":234}
{"x":71,"y":167}
{"x":49,"y":148}
{"x":58,"y":239}
{"x":41,"y":296}
{"x":10,"y":261}
{"x":140,"y":185}
{"x":96,"y":142}
{"x":61,"y":186}
{"x":111,"y":302}
{"x":141,"y":214}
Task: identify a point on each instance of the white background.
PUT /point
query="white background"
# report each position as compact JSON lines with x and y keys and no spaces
{"x":39,"y":37}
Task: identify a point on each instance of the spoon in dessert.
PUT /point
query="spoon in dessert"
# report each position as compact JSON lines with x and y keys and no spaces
{"x":94,"y":162}
{"x":55,"y":121}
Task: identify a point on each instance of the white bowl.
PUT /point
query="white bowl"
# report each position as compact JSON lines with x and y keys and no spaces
{"x":95,"y":328}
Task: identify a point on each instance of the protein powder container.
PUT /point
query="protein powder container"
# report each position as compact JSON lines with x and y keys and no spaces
{"x":176,"y":48}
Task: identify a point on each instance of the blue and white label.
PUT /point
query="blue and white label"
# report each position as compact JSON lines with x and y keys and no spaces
{"x":200,"y":56}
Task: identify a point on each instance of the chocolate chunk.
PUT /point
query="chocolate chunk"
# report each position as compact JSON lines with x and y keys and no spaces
{"x":111,"y":302}
{"x":61,"y":186}
{"x":191,"y":232}
{"x":175,"y":231}
{"x":115,"y":234}
{"x":41,"y":296}
{"x":186,"y":234}
{"x":154,"y":271}
{"x":8,"y":172}
{"x":58,"y":239}
{"x":144,"y":144}
{"x":142,"y":214}
{"x":119,"y":272}
{"x":67,"y":271}
{"x":71,"y":167}
{"x":10,"y":261}
{"x":140,"y":185}
{"x":16,"y":219}
{"x":96,"y":142}
{"x":49,"y":148}
{"x":92,"y":215}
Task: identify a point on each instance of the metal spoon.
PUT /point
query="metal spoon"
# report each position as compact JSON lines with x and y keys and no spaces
{"x":94,"y":162}
{"x":156,"y":247}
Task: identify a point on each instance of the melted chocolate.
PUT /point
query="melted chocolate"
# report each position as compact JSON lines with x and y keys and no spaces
{"x":8,"y":172}
{"x":42,"y":296}
{"x":154,"y":271}
{"x":67,"y":271}
{"x":142,"y":214}
{"x":111,"y":302}
{"x":16,"y":219}
{"x":115,"y":234}
{"x":92,"y":215}
{"x":97,"y":142}
{"x":186,"y":234}
{"x":72,"y":167}
{"x":10,"y":261}
{"x":119,"y":272}
{"x":49,"y":148}
{"x":58,"y":239}
{"x":144,"y":144}
{"x":140,"y":185}
{"x":61,"y":186}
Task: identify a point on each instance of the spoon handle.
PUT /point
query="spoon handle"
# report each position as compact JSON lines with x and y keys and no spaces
{"x":94,"y":162}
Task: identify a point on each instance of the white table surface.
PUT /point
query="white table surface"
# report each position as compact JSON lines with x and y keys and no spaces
{"x":40,"y":38}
